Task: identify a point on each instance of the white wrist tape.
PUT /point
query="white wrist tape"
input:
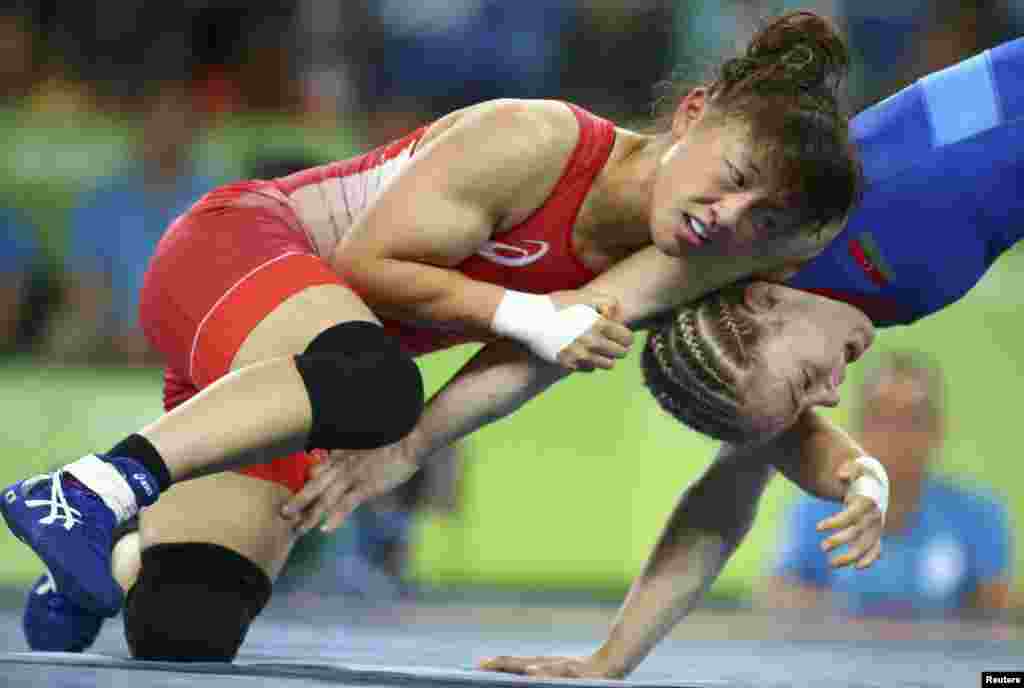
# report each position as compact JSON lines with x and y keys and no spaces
{"x":533,"y":320}
{"x":874,"y":484}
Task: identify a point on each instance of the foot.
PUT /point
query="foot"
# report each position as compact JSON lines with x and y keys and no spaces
{"x":53,"y":623}
{"x":71,"y":529}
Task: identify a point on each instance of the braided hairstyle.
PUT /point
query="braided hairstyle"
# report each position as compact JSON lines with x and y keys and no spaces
{"x":692,"y":364}
{"x":785,"y":87}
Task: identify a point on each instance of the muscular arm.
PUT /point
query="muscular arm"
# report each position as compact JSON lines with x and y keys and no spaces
{"x":504,"y":375}
{"x":477,"y":168}
{"x":809,"y":454}
{"x":493,"y":384}
{"x":705,"y":528}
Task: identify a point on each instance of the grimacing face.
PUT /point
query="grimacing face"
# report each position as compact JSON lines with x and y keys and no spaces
{"x":800,"y":362}
{"x":715,"y":193}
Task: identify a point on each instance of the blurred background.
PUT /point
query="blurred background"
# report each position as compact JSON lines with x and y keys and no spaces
{"x":117,"y":115}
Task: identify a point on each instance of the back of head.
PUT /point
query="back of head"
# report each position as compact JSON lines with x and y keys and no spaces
{"x":692,"y":364}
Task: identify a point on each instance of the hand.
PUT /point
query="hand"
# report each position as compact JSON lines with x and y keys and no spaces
{"x":549,"y":667}
{"x":346,"y":479}
{"x":860,"y":525}
{"x":606,"y":340}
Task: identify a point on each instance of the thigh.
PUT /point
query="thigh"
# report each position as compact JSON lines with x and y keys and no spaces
{"x":277,"y":298}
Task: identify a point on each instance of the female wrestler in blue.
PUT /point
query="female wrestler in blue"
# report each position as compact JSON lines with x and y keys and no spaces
{"x":944,"y":169}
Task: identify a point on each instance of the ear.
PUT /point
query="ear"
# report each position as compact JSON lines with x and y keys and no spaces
{"x":691,"y":109}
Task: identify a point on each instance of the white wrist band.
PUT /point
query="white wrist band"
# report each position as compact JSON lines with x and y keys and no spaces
{"x":533,"y":320}
{"x":874,"y":484}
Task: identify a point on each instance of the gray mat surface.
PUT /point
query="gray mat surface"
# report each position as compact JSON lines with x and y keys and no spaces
{"x":343,"y":674}
{"x":316,"y":646}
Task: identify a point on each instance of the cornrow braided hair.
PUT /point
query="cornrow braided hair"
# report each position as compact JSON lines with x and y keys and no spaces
{"x":692,"y":364}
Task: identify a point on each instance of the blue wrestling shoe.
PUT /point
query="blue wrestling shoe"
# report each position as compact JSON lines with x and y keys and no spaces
{"x":53,"y":623}
{"x":71,"y":528}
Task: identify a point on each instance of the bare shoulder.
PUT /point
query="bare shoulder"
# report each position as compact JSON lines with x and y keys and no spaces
{"x":507,"y":153}
{"x":517,"y":125}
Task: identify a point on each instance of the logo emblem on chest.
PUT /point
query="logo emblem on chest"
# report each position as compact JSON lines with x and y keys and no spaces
{"x":866,"y":252}
{"x":511,"y":255}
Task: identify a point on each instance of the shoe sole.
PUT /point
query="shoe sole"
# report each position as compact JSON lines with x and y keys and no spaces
{"x":65,"y":581}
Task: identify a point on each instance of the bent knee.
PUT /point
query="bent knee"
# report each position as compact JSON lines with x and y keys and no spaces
{"x":160,"y":619}
{"x":364,"y":390}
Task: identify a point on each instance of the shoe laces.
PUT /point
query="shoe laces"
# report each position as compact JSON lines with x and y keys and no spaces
{"x":60,"y":510}
{"x":46,"y":586}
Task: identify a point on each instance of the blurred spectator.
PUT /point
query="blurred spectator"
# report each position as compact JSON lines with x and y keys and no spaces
{"x":382,"y":525}
{"x":896,"y":43}
{"x":434,"y":56}
{"x":946,"y":548}
{"x":115,"y":227}
{"x":17,"y":56}
{"x":615,"y":52}
{"x":18,"y":258}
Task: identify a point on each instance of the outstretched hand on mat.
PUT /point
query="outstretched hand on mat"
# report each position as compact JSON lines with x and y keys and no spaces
{"x":548,"y":667}
{"x":343,"y":481}
{"x":860,"y":526}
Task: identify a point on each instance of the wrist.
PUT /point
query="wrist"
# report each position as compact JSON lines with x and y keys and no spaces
{"x":415,"y":446}
{"x":533,"y":320}
{"x":873,"y":482}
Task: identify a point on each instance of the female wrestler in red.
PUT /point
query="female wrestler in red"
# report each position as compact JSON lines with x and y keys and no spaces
{"x":267,"y":300}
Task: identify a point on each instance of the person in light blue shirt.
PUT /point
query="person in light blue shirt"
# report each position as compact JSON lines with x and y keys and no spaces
{"x":115,"y":227}
{"x":946,"y":549}
{"x":18,"y":257}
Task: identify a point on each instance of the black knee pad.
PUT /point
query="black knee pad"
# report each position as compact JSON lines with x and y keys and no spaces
{"x":193,"y":602}
{"x":364,"y":390}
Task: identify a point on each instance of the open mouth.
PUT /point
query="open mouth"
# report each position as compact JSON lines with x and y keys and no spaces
{"x":692,"y":230}
{"x":698,"y":227}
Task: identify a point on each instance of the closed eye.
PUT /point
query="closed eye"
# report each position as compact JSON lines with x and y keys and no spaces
{"x":736,"y":175}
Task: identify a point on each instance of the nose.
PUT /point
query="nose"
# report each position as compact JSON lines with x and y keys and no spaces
{"x":732,"y":207}
{"x":736,"y":208}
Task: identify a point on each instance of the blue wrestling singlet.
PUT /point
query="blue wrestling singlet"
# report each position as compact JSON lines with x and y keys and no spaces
{"x":944,"y":191}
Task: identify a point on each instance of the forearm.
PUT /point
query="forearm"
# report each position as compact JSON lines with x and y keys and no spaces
{"x":493,"y":384}
{"x":809,"y":455}
{"x":419,"y":292}
{"x":706,"y":526}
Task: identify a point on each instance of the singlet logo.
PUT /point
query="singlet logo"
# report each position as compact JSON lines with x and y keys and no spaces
{"x":864,"y":249}
{"x":513,"y":256}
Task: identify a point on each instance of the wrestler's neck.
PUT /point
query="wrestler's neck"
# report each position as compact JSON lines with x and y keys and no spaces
{"x":614,"y":221}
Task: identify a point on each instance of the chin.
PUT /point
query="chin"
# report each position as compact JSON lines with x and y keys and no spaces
{"x":666,"y":243}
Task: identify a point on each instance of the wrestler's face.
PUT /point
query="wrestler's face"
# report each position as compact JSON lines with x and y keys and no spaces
{"x":715,"y":193}
{"x":800,"y":359}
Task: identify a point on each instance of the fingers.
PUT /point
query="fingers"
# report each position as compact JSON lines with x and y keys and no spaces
{"x":858,"y":508}
{"x":551,"y":667}
{"x":344,"y":508}
{"x":871,"y":556}
{"x":321,"y":476}
{"x":860,"y":545}
{"x":509,"y":665}
{"x":859,"y":529}
{"x":617,"y":333}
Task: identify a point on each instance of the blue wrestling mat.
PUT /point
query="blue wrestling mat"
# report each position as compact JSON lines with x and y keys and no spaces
{"x":324,"y":644}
